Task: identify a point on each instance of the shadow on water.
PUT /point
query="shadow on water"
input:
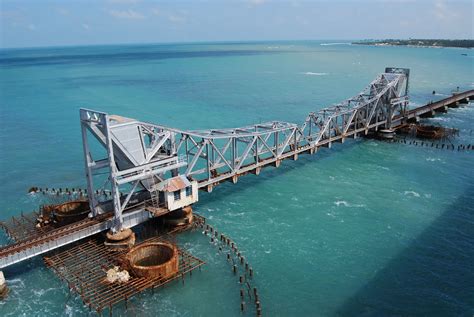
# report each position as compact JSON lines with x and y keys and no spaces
{"x":118,"y":56}
{"x":434,"y":276}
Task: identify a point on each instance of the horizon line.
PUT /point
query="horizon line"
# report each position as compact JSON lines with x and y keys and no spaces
{"x":220,"y":41}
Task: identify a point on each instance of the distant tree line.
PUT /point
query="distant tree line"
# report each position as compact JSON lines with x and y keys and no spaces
{"x":420,"y":42}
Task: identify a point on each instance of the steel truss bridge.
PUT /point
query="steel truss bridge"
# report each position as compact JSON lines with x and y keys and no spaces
{"x":140,"y":154}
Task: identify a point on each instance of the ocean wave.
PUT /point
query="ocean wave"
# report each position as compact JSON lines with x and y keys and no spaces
{"x":411,"y":193}
{"x":346,"y":204}
{"x":314,"y":74}
{"x":443,"y":119}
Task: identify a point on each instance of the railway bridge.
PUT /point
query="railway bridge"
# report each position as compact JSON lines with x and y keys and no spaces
{"x":152,"y":169}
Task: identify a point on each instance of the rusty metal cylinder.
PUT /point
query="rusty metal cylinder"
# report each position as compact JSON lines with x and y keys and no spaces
{"x":152,"y":260}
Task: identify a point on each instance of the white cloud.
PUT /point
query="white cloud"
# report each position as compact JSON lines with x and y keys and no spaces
{"x":176,"y":18}
{"x":442,"y":12}
{"x":126,"y":14}
{"x":156,"y":11}
{"x":85,"y":26}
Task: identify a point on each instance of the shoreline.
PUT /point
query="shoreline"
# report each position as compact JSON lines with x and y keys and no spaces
{"x":464,"y":44}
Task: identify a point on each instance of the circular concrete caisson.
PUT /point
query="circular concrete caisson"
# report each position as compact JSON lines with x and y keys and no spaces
{"x":153,"y":260}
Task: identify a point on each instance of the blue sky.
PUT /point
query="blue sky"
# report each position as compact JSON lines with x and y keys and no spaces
{"x":78,"y":22}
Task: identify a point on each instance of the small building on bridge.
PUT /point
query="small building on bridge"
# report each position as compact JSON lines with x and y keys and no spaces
{"x":177,"y":192}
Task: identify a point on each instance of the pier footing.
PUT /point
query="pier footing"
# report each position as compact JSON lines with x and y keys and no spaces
{"x":3,"y":286}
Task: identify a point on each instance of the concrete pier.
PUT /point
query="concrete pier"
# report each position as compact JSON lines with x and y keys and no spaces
{"x":3,"y":286}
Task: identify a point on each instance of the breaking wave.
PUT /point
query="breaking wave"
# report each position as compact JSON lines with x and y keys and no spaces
{"x":346,"y":204}
{"x":314,"y":74}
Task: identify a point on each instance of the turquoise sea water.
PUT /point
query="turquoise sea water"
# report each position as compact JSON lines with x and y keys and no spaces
{"x":365,"y":228}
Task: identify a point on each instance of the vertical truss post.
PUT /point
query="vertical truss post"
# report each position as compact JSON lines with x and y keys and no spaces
{"x":118,"y":220}
{"x":88,"y":169}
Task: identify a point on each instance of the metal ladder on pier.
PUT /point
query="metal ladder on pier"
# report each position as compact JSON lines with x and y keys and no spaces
{"x":154,"y":206}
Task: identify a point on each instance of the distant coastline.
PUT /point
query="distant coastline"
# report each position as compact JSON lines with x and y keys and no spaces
{"x":419,"y":43}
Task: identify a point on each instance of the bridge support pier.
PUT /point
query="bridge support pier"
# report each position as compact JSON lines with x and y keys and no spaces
{"x":313,"y":150}
{"x":277,"y":163}
{"x":386,"y":134}
{"x":454,"y":105}
{"x":464,"y":101}
{"x":3,"y":286}
{"x":256,"y":171}
{"x":235,"y":178}
{"x":443,"y":109}
{"x":209,"y":188}
{"x":295,"y":156}
{"x":428,"y":114}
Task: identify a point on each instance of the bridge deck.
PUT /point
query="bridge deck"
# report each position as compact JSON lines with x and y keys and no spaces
{"x":397,"y":121}
{"x":36,"y":242}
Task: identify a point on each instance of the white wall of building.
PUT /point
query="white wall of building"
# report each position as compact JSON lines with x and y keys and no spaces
{"x":185,"y":200}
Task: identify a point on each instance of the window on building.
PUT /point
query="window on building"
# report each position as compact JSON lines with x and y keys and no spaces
{"x":177,"y":195}
{"x":189,"y":191}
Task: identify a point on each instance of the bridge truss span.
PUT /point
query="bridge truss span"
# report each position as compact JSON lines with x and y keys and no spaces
{"x":225,"y":154}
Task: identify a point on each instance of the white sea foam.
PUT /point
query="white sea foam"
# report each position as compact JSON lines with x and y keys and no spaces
{"x":341,"y":202}
{"x":346,"y":204}
{"x":411,"y":193}
{"x":433,"y":159}
{"x":314,"y":74}
{"x":443,"y":119}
